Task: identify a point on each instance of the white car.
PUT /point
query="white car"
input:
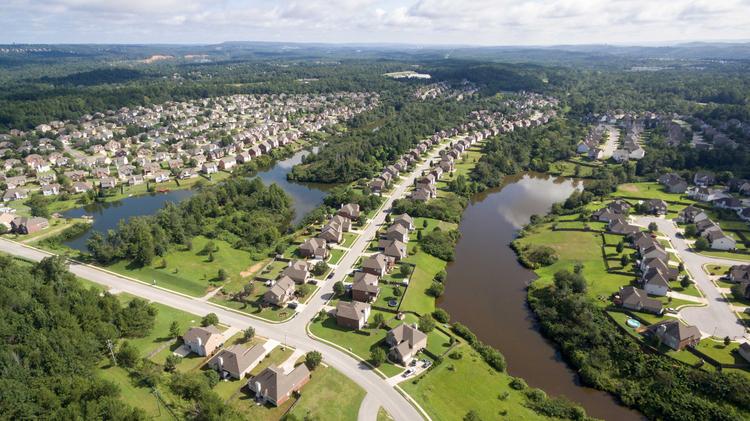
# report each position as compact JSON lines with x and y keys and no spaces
{"x":408,"y":372}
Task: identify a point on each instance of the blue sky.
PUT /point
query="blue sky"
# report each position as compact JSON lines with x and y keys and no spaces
{"x":485,"y":22}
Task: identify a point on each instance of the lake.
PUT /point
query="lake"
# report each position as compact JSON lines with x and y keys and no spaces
{"x":305,"y":197}
{"x":486,"y":289}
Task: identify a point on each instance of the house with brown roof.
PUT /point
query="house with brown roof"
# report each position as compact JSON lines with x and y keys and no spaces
{"x":739,"y":273}
{"x":405,"y":221}
{"x":237,"y":360}
{"x":298,"y":271}
{"x":203,"y":340}
{"x":378,"y":264}
{"x":637,"y":299}
{"x":393,"y":248}
{"x":350,"y":210}
{"x":675,"y":334}
{"x":405,"y":342}
{"x":673,"y":183}
{"x":352,"y":314}
{"x":365,"y":287}
{"x":274,"y":386}
{"x":619,"y":226}
{"x":331,"y":232}
{"x":28,"y":225}
{"x":315,"y":248}
{"x":655,"y":282}
{"x":281,"y":292}
{"x":397,"y":232}
{"x":655,"y":207}
{"x":691,"y":215}
{"x":344,"y":222}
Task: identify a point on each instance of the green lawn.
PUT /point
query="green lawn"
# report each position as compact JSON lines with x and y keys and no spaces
{"x":383,"y":415}
{"x":272,"y":313}
{"x":427,"y":266}
{"x":189,"y":272}
{"x":336,"y":255}
{"x":329,"y":396}
{"x":356,"y":342}
{"x":727,"y":255}
{"x":722,"y":353}
{"x":349,"y":239}
{"x":431,"y":225}
{"x":130,"y":393}
{"x":648,"y":190}
{"x":455,"y":387}
{"x":716,"y":270}
{"x":273,"y":270}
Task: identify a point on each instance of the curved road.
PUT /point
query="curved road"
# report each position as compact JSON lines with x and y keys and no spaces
{"x":292,"y":332}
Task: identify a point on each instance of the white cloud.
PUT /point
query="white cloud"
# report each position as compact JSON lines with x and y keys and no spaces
{"x":412,"y":21}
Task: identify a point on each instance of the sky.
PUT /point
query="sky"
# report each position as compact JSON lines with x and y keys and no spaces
{"x":421,"y":22}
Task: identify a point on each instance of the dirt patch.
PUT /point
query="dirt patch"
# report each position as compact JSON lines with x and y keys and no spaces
{"x":252,"y":269}
{"x":632,"y":188}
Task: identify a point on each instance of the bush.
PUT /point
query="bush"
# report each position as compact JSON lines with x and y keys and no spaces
{"x":210,"y":319}
{"x":518,"y":383}
{"x":339,"y":289}
{"x":455,"y":355}
{"x":702,"y":244}
{"x":534,"y":257}
{"x":320,"y":268}
{"x":426,"y":323}
{"x":440,"y":276}
{"x":170,"y":364}
{"x":377,"y":356}
{"x":441,"y":315}
{"x":313,"y":359}
{"x":127,"y":355}
{"x":440,"y":244}
{"x":436,"y":289}
{"x":212,"y":378}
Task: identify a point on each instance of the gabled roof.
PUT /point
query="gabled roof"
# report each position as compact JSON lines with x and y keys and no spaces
{"x":377,"y":261}
{"x":202,"y":333}
{"x":275,"y":384}
{"x":237,"y":358}
{"x":351,"y":310}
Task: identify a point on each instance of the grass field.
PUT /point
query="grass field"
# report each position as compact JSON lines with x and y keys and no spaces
{"x":329,"y":396}
{"x":336,"y":255}
{"x":427,"y":266}
{"x":189,"y":272}
{"x":136,"y":396}
{"x":727,"y":255}
{"x":455,"y":387}
{"x":383,"y":415}
{"x":648,"y":190}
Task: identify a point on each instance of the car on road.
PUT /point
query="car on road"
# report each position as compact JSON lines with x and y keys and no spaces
{"x":330,"y":275}
{"x":408,"y":372}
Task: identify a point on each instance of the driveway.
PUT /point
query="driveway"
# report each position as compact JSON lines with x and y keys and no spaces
{"x":717,"y":318}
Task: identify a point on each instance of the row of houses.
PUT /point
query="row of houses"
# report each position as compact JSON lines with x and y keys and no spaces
{"x":704,"y":189}
{"x":175,"y":140}
{"x":272,"y":385}
{"x":706,"y":228}
{"x":331,"y":233}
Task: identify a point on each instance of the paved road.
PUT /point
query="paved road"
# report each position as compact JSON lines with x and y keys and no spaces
{"x":292,"y":333}
{"x":610,"y":145}
{"x":717,"y":318}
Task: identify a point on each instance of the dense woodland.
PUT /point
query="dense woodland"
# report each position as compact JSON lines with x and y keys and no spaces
{"x":245,"y":213}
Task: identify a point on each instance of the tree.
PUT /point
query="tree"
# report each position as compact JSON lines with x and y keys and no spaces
{"x":685,"y":281}
{"x":440,"y":276}
{"x":210,"y":247}
{"x":248,"y":334}
{"x":620,"y":247}
{"x":436,"y":289}
{"x":210,"y":319}
{"x":424,"y":224}
{"x":387,"y":218}
{"x":405,"y":270}
{"x":419,"y":235}
{"x":212,"y":378}
{"x":222,"y":275}
{"x":702,"y":244}
{"x":623,"y":261}
{"x":378,"y":319}
{"x":377,"y":356}
{"x":426,"y":323}
{"x":174,"y":329}
{"x":691,"y":230}
{"x":681,"y":267}
{"x":441,"y":315}
{"x":397,"y":291}
{"x":137,"y":319}
{"x":320,"y":268}
{"x":127,"y":355}
{"x":313,"y":359}
{"x":652,"y":227}
{"x":339,"y":289}
{"x":727,"y":340}
{"x":170,"y":364}
{"x":473,"y":415}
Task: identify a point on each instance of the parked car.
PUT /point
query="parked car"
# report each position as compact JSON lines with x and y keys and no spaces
{"x":408,"y":372}
{"x":426,"y":364}
{"x":413,"y":363}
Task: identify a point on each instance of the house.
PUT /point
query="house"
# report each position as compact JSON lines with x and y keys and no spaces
{"x":344,"y":222}
{"x":744,"y":351}
{"x":397,"y":232}
{"x":673,"y":183}
{"x":281,"y":292}
{"x":662,"y":266}
{"x":675,"y":334}
{"x":107,"y":182}
{"x":405,"y":341}
{"x":209,"y":168}
{"x":314,"y":248}
{"x":15,"y":194}
{"x":298,"y":271}
{"x":352,"y":314}
{"x":405,"y":221}
{"x":187,"y":173}
{"x":423,"y":193}
{"x":331,"y":232}
{"x":227,"y":163}
{"x":655,"y":251}
{"x":6,"y":219}
{"x":350,"y":210}
{"x":377,"y":185}
{"x":51,"y":189}
{"x":203,"y":340}
{"x":720,"y":241}
{"x":365,"y":287}
{"x":655,"y":282}
{"x":704,"y":179}
{"x":739,"y":273}
{"x":633,"y":298}
{"x":655,"y":207}
{"x":236,"y":361}
{"x":378,"y":264}
{"x":28,"y":225}
{"x":135,"y":180}
{"x":393,"y":248}
{"x":273,"y":386}
{"x":728,"y":203}
{"x":619,"y":226}
{"x":691,"y":215}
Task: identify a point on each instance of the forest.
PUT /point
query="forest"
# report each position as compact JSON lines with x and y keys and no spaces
{"x":243,"y":212}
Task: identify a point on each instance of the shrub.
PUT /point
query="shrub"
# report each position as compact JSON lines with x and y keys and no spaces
{"x":518,"y":383}
{"x":436,"y":289}
{"x":210,"y":319}
{"x":426,"y":323}
{"x":377,"y":356}
{"x":441,"y":315}
{"x":313,"y":359}
{"x":440,"y":244}
{"x":127,"y":355}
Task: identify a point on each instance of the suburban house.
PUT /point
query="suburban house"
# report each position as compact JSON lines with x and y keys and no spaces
{"x":393,"y":248}
{"x":344,"y":222}
{"x":655,"y":207}
{"x":405,"y":342}
{"x":365,"y":287}
{"x":314,"y":248}
{"x":237,"y":360}
{"x":744,"y":351}
{"x":28,"y":225}
{"x":331,"y":232}
{"x":673,"y":183}
{"x":675,"y":334}
{"x":637,"y":299}
{"x":405,"y":221}
{"x":619,"y":226}
{"x":352,"y":314}
{"x":273,"y":386}
{"x":655,"y":282}
{"x":739,"y":273}
{"x":281,"y":292}
{"x":397,"y":232}
{"x":704,"y":179}
{"x":350,"y":210}
{"x":691,"y":215}
{"x":378,"y":264}
{"x":209,"y":168}
{"x":203,"y":340}
{"x":720,"y":241}
{"x":298,"y":271}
